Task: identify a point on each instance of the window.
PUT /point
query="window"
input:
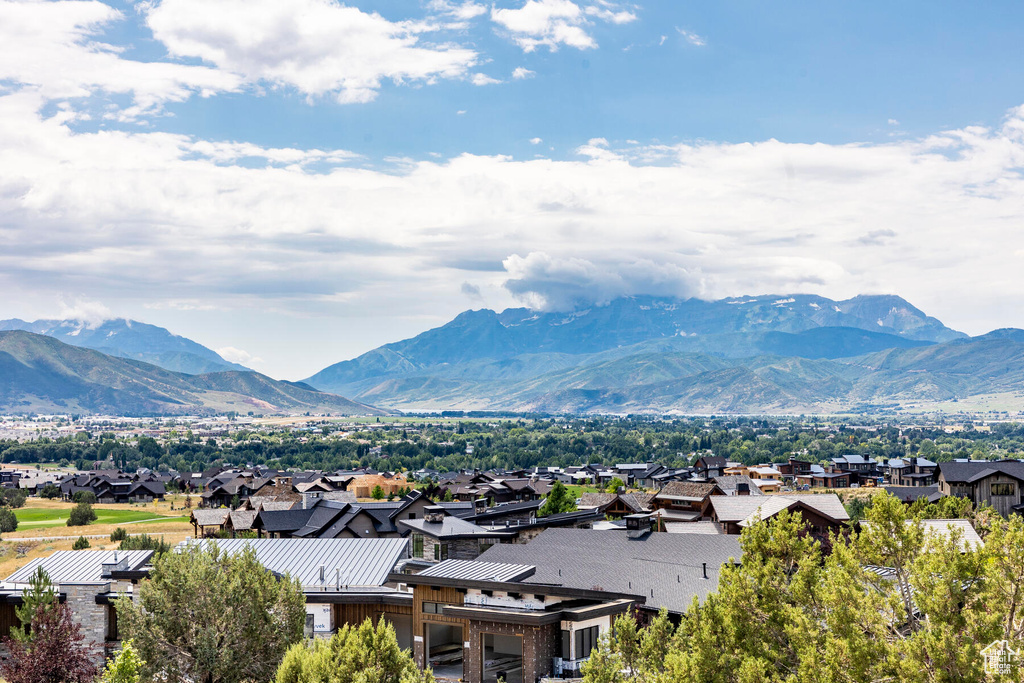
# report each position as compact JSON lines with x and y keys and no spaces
{"x":412,"y":515}
{"x":566,"y":644}
{"x":586,"y":640}
{"x":1003,"y":490}
{"x":433,"y":608}
{"x":417,"y":545}
{"x":440,"y":551}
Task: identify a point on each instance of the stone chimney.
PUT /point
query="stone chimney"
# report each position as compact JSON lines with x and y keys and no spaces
{"x":433,"y":514}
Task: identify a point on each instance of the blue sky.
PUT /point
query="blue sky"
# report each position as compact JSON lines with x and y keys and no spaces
{"x":297,"y":182}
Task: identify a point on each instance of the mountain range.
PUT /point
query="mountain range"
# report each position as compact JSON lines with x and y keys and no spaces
{"x":131,"y":339}
{"x":763,"y":354}
{"x":774,"y":354}
{"x":39,"y":373}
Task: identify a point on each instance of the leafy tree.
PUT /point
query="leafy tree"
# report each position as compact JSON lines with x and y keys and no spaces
{"x":8,"y":520}
{"x":559,"y":500}
{"x":355,"y":654}
{"x":81,"y":544}
{"x":82,"y":515}
{"x":377,"y":493}
{"x":119,"y":534}
{"x":126,"y":667}
{"x":55,"y":653}
{"x":210,"y":617}
{"x":50,"y":491}
{"x":83,"y":497}
{"x":614,"y":485}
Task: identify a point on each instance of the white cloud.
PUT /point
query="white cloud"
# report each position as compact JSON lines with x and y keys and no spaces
{"x":893,"y":122}
{"x":691,"y":37}
{"x":240,"y":356}
{"x":460,"y":112}
{"x":319,"y":47}
{"x":521,"y":73}
{"x":552,"y":23}
{"x":483,"y":79}
{"x":92,"y":313}
{"x":135,"y":218}
{"x":464,"y":11}
{"x":52,"y":46}
{"x":536,"y":141}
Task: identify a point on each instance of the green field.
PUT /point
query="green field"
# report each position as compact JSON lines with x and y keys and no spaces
{"x":41,"y":518}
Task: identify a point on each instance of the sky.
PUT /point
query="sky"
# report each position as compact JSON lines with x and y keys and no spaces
{"x":296,"y":182}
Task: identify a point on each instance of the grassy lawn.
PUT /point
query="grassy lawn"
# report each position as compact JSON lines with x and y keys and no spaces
{"x":41,"y":518}
{"x":578,"y":490}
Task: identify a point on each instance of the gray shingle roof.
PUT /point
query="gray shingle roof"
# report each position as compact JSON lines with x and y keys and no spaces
{"x":79,"y":566}
{"x":739,"y":508}
{"x":670,"y":565}
{"x":362,"y":562}
{"x":473,"y":570}
{"x":728,"y":483}
{"x":970,"y":471}
{"x":449,"y":527}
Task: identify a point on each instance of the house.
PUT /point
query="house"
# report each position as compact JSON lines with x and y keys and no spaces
{"x":825,"y":480}
{"x":709,"y":466}
{"x":911,"y":471}
{"x":910,"y":494}
{"x":684,"y":501}
{"x":793,"y":468}
{"x":90,"y":581}
{"x":324,"y":518}
{"x":437,"y":536}
{"x":821,"y":512}
{"x":737,"y":485}
{"x":616,"y":505}
{"x":482,"y":622}
{"x":996,"y":483}
{"x":525,"y":612}
{"x":767,"y":478}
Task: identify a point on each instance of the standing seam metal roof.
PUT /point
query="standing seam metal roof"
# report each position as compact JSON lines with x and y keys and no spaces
{"x":471,"y":570}
{"x":364,"y":562}
{"x":79,"y":566}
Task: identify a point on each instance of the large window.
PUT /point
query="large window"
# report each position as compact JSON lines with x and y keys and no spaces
{"x":1003,"y":489}
{"x":417,"y":545}
{"x":440,"y":551}
{"x":433,"y":608}
{"x":586,"y":640}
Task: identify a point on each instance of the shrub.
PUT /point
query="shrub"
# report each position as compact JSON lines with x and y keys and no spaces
{"x":83,"y":497}
{"x":119,"y":534}
{"x":50,"y":491}
{"x":8,"y":520}
{"x":145,"y":542}
{"x":81,"y":515}
{"x":81,"y":544}
{"x":15,"y":497}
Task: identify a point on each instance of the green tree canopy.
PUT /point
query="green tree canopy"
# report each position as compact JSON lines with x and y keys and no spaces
{"x":355,"y":654}
{"x":614,"y":485}
{"x":81,"y":515}
{"x":210,"y":617}
{"x":559,"y":500}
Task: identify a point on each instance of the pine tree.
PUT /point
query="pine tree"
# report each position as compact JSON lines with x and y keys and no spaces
{"x":559,"y":500}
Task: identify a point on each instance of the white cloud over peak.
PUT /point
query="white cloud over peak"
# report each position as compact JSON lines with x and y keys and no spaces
{"x":145,"y":218}
{"x":319,"y":47}
{"x":91,"y":313}
{"x":240,"y":356}
{"x":552,"y":23}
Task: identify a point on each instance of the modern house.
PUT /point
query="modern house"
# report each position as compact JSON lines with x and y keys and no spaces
{"x":685,"y":501}
{"x":998,"y":483}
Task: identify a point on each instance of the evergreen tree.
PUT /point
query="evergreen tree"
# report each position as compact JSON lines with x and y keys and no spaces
{"x":40,"y":594}
{"x":210,"y":617}
{"x":355,"y":654}
{"x":82,"y":515}
{"x":559,"y":500}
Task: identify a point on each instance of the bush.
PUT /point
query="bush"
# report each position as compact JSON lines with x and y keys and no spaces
{"x":82,"y":514}
{"x":119,"y":534}
{"x":50,"y":491}
{"x":145,"y":542}
{"x":8,"y":520}
{"x":81,"y":544}
{"x":83,"y":497}
{"x":15,"y":497}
